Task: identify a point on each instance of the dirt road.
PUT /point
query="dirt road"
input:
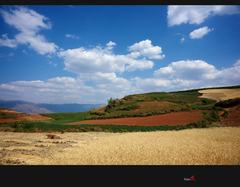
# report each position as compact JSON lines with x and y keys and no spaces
{"x":193,"y":146}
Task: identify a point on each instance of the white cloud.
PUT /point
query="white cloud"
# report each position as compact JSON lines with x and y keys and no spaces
{"x":187,"y":74}
{"x":68,"y":89}
{"x":98,"y":87}
{"x":99,"y":59}
{"x":154,"y":84}
{"x":237,"y":63}
{"x":28,"y":23}
{"x":187,"y":70}
{"x":196,"y":14}
{"x":5,"y":41}
{"x":146,"y":49}
{"x":72,"y":36}
{"x":52,"y":90}
{"x":199,"y":33}
{"x":150,"y":84}
{"x":37,"y":42}
{"x":25,"y":19}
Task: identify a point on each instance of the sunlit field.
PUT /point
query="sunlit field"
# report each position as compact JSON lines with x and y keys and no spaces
{"x":211,"y":146}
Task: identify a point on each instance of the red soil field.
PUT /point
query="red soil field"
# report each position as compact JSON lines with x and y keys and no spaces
{"x":233,"y":118}
{"x":174,"y":118}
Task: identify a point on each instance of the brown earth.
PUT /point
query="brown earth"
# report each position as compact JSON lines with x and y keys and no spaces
{"x":174,"y":118}
{"x":233,"y":118}
{"x":220,"y":94}
{"x":18,"y":116}
{"x":208,"y":146}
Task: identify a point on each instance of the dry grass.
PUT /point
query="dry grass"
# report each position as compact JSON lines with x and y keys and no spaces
{"x":220,"y":94}
{"x":210,"y":146}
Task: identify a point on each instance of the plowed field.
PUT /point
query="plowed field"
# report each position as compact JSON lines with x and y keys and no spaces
{"x":174,"y":118}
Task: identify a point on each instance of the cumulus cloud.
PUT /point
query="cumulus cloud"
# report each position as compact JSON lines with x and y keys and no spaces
{"x":53,"y":90}
{"x":146,"y":49}
{"x":187,"y":69}
{"x":67,"y":89}
{"x":37,"y":42}
{"x":28,"y":23}
{"x":187,"y":74}
{"x":199,"y":33}
{"x":196,"y":14}
{"x":86,"y":88}
{"x":102,"y":59}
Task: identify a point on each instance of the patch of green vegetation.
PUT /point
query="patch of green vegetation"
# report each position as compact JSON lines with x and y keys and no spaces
{"x":5,"y":115}
{"x":55,"y":127}
{"x":70,"y":117}
{"x":41,"y":127}
{"x":211,"y":116}
{"x":120,"y":105}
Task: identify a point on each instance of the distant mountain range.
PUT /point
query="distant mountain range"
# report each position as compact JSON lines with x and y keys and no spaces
{"x":28,"y":107}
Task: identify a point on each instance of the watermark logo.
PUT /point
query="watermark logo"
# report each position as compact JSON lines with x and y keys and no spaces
{"x":191,"y":179}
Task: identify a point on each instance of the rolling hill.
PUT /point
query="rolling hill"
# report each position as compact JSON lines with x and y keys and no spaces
{"x":141,"y":112}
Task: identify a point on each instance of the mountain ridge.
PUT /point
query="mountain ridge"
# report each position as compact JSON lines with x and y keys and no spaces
{"x":30,"y":107}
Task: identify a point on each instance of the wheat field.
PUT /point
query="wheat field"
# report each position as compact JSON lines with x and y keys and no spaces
{"x":220,"y":94}
{"x":211,"y":146}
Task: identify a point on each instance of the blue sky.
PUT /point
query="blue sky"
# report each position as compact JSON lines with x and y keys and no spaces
{"x":87,"y":54}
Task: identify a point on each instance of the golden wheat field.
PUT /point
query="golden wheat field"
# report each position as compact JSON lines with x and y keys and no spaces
{"x":212,"y":146}
{"x":220,"y":94}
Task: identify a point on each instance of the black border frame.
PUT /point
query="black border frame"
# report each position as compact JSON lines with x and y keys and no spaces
{"x":119,"y":175}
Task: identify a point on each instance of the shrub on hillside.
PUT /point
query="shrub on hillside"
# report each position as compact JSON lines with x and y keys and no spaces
{"x":111,"y":104}
{"x":212,"y":116}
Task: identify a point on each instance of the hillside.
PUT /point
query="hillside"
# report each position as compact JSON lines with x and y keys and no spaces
{"x":166,"y":102}
{"x":146,"y":112}
{"x":154,"y":103}
{"x":11,"y":116}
